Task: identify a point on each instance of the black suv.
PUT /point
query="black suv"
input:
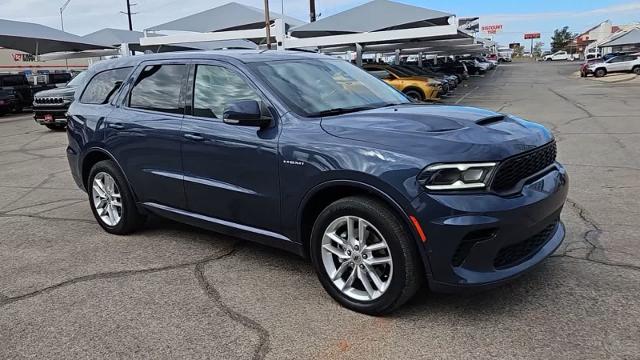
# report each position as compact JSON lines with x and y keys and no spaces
{"x":311,"y":154}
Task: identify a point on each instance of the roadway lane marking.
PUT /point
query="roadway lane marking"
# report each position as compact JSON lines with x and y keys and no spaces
{"x":467,"y":94}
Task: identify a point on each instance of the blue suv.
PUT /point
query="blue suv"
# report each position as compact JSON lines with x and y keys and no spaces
{"x":313,"y":155}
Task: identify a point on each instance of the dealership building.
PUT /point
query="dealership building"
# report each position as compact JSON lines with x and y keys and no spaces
{"x":13,"y":61}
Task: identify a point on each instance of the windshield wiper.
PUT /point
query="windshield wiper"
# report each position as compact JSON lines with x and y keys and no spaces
{"x":339,"y":111}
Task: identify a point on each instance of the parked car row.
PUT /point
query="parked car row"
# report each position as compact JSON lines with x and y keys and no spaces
{"x":49,"y":99}
{"x":611,"y":63}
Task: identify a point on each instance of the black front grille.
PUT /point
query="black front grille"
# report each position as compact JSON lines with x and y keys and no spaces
{"x":514,"y":254}
{"x":48,"y":100}
{"x":513,"y":170}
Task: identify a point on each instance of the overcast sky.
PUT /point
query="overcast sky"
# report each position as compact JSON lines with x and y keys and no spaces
{"x":86,"y":16}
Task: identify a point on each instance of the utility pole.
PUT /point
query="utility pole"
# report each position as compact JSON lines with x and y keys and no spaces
{"x":312,"y":10}
{"x":129,"y":13}
{"x":267,"y":23}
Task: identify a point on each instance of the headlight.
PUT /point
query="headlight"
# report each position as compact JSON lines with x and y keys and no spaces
{"x":68,"y":98}
{"x":456,"y":176}
{"x":434,"y":83}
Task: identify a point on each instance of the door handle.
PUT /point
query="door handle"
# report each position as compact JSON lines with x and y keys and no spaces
{"x":194,"y":137}
{"x":116,"y":126}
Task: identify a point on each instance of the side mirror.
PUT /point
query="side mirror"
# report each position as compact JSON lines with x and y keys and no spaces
{"x":245,"y":113}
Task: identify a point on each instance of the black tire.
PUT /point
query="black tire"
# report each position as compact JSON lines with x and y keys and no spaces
{"x":636,"y":70}
{"x":56,"y":127}
{"x":408,"y":272}
{"x":600,"y":73}
{"x":415,"y":94}
{"x":131,"y":219}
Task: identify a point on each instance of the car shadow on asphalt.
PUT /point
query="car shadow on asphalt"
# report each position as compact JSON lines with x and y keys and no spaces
{"x":468,"y":304}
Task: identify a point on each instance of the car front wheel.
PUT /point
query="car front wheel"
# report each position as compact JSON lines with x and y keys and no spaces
{"x":111,"y":201}
{"x":364,"y":257}
{"x":414,"y":94}
{"x":600,"y":73}
{"x":636,"y":70}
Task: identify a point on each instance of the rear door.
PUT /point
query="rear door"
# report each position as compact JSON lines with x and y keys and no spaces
{"x":144,"y":132}
{"x":616,"y":64}
{"x":231,"y":172}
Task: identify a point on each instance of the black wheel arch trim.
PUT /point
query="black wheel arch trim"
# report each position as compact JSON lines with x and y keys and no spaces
{"x":105,"y":152}
{"x":395,"y":205}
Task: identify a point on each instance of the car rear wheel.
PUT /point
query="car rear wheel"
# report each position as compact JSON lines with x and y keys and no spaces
{"x":414,"y":94}
{"x":600,"y":73}
{"x":364,"y":257}
{"x":636,"y":70}
{"x":111,"y":201}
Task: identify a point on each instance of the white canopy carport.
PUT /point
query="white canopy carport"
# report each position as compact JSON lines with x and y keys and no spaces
{"x":38,"y":39}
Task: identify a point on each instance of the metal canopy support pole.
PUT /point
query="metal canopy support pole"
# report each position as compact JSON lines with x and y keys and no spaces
{"x":435,"y":59}
{"x":124,"y":50}
{"x":359,"y":55}
{"x":280,"y":33}
{"x":267,"y":23}
{"x":420,"y":59}
{"x":397,"y":59}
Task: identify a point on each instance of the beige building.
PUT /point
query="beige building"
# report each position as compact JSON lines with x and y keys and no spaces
{"x":16,"y":61}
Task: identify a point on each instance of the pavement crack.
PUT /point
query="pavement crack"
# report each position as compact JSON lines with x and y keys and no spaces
{"x":110,"y":275}
{"x":263,"y":335}
{"x":601,"y":262}
{"x":576,"y":104}
{"x":589,"y":236}
{"x":40,"y":217}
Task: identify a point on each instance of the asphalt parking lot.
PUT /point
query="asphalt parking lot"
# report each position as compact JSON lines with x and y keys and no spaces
{"x":70,"y":290}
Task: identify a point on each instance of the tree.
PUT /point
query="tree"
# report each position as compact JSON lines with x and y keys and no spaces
{"x":561,"y":38}
{"x":537,"y":49}
{"x":518,"y":50}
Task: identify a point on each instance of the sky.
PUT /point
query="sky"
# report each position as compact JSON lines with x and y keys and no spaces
{"x":517,"y":17}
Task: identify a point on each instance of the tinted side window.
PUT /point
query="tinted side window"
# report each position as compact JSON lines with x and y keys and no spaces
{"x":158,"y":88}
{"x":104,"y":86}
{"x":215,"y":87}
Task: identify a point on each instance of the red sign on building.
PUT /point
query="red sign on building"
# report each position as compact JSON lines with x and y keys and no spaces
{"x":532,"y":36}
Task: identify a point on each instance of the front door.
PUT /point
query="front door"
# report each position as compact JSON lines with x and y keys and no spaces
{"x":230,"y":171}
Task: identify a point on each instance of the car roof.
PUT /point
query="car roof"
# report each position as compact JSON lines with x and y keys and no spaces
{"x":244,"y":56}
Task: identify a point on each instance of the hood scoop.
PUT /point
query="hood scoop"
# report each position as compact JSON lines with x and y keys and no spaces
{"x":490,"y":120}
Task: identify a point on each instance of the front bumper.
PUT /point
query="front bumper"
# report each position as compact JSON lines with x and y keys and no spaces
{"x":482,"y":240}
{"x":56,"y":115}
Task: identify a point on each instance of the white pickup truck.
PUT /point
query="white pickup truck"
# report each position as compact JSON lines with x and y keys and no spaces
{"x":560,"y":55}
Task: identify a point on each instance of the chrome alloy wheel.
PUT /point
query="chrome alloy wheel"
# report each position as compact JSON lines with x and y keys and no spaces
{"x":357,"y":258}
{"x":106,"y":198}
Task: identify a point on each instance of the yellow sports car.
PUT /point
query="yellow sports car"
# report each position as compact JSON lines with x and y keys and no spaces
{"x":416,"y":87}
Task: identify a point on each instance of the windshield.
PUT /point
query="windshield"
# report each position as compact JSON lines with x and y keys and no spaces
{"x":325,"y":87}
{"x":77,"y":81}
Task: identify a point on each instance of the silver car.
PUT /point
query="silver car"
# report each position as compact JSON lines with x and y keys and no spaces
{"x":622,"y":63}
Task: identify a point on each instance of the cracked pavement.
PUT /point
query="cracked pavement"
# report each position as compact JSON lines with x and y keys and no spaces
{"x":70,"y":290}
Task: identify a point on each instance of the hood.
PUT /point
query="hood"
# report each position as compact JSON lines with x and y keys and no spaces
{"x":446,"y":131}
{"x":57,"y":92}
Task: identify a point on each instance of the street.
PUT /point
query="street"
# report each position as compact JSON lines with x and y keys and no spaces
{"x":70,"y":290}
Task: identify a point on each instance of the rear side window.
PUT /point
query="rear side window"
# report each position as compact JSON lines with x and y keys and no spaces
{"x":158,"y":88}
{"x":104,"y":86}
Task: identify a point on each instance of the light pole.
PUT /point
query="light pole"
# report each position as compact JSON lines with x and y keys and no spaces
{"x":64,"y":6}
